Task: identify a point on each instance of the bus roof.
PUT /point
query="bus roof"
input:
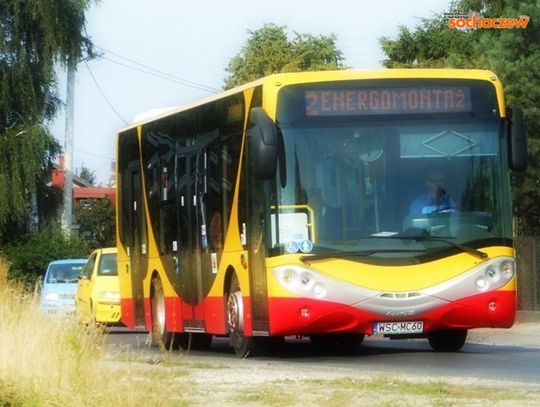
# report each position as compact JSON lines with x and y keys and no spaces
{"x":281,"y":79}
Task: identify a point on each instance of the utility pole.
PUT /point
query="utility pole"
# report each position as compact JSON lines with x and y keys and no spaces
{"x":68,"y":150}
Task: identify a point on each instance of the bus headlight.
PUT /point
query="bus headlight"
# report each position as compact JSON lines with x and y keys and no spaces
{"x":306,"y":281}
{"x":288,"y":276}
{"x":319,"y":290}
{"x":508,"y":269}
{"x":493,"y":274}
{"x":482,"y":284}
{"x":301,"y":281}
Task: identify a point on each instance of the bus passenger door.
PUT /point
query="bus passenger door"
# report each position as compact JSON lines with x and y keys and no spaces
{"x":190,"y":236}
{"x":137,"y":249}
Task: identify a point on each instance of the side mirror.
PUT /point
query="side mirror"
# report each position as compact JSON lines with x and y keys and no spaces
{"x":263,"y":144}
{"x":518,"y":139}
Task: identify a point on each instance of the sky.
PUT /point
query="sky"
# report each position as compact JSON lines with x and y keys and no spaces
{"x":163,"y":53}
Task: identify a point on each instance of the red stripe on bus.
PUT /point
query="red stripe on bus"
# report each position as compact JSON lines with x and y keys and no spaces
{"x":214,"y":315}
{"x":248,"y":320}
{"x":198,"y":312}
{"x":148,"y":314}
{"x":212,"y":311}
{"x":174,"y":320}
{"x":127,"y":306}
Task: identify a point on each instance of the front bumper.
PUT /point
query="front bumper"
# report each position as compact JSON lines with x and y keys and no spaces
{"x":300,"y":316}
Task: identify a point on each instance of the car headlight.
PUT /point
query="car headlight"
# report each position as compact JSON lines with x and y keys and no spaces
{"x":51,"y":296}
{"x":109,"y":297}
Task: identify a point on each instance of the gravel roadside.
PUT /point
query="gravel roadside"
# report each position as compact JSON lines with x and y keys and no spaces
{"x":227,"y":381}
{"x":525,"y":332}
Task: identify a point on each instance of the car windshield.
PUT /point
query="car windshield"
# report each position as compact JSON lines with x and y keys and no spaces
{"x":107,"y":265}
{"x":64,"y":273}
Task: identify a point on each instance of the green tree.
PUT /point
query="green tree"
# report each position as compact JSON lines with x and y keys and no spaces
{"x":514,"y":55}
{"x":96,"y":218}
{"x":29,"y":256}
{"x":35,"y":36}
{"x":88,"y":175}
{"x":269,"y":50}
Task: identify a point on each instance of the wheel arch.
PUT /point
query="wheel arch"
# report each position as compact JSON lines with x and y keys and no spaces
{"x":148,"y":302}
{"x":229,"y":273}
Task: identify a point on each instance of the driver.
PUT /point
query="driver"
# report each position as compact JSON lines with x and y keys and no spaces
{"x":435,"y":199}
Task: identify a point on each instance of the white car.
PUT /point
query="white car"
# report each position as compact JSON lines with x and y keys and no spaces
{"x":60,"y":287}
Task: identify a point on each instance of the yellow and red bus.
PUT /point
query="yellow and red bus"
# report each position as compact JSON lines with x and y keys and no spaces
{"x":331,"y":205}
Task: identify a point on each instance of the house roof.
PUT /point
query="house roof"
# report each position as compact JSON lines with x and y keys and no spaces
{"x":77,"y":181}
{"x":94,"y":193}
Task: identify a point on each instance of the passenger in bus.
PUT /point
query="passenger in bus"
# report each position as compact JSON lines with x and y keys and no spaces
{"x":435,"y":199}
{"x":327,"y":219}
{"x":215,"y":232}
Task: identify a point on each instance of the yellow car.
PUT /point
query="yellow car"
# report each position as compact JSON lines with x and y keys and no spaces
{"x":98,"y":289}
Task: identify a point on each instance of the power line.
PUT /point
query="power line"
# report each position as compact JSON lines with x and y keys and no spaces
{"x":103,"y":94}
{"x":159,"y":73}
{"x":95,"y":154}
{"x":155,"y":74}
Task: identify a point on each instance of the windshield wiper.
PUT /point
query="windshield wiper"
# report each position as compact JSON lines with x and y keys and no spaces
{"x":359,"y":253}
{"x":463,"y":248}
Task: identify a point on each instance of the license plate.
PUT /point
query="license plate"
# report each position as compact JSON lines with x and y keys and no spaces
{"x":403,"y":327}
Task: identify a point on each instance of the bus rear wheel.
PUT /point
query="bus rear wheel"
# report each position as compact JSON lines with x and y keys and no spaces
{"x":160,"y":336}
{"x":450,"y":340}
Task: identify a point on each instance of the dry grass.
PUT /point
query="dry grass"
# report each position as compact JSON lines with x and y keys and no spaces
{"x":42,"y":361}
{"x":58,"y":363}
{"x":50,"y":363}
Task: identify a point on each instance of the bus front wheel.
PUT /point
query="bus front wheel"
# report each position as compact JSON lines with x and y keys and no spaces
{"x":163,"y":338}
{"x":450,"y":340}
{"x":243,"y":345}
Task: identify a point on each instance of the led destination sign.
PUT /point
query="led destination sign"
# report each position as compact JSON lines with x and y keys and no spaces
{"x":398,"y":100}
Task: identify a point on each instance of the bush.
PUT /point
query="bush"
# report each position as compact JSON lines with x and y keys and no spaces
{"x":96,"y":218}
{"x":30,"y":256}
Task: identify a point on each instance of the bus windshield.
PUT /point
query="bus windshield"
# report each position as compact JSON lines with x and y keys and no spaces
{"x":390,"y":187}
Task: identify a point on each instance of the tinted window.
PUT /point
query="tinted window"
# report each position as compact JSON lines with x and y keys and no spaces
{"x":128,"y":164}
{"x":209,"y":136}
{"x":107,"y":265}
{"x":87,"y":271}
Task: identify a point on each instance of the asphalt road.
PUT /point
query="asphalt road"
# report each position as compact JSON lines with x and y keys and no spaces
{"x":491,"y":361}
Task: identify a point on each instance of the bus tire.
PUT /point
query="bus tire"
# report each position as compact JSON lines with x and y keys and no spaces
{"x":450,"y":340}
{"x":243,"y":345}
{"x":160,"y":335}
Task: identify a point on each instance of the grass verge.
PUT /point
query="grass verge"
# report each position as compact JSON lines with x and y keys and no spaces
{"x":45,"y":362}
{"x":60,"y":363}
